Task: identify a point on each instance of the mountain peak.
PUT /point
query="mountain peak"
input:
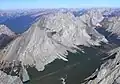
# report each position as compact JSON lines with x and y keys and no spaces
{"x":50,"y":38}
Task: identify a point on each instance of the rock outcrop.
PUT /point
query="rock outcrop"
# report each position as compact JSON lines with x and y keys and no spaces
{"x":109,"y":72}
{"x":112,"y":25}
{"x":7,"y":79}
{"x":6,"y":35}
{"x":5,"y":30}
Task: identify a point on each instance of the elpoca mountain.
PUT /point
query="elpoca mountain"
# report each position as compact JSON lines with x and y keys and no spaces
{"x":53,"y":35}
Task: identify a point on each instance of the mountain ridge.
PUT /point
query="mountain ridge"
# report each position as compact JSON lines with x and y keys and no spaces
{"x":56,"y":33}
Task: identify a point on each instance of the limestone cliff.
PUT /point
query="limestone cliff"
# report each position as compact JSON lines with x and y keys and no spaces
{"x":50,"y":38}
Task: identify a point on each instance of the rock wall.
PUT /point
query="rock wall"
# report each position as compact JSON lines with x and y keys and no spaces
{"x":109,"y":72}
{"x":7,"y":79}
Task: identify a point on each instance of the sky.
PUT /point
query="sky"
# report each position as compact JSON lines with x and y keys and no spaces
{"x":31,"y":4}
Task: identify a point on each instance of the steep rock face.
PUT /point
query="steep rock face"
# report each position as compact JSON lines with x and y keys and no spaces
{"x":54,"y":34}
{"x":50,"y":38}
{"x":109,"y":72}
{"x":111,"y":20}
{"x":6,"y":35}
{"x":112,"y":25}
{"x":6,"y":30}
{"x":7,"y":79}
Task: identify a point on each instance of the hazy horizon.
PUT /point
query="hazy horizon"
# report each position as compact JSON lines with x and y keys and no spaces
{"x":47,"y":4}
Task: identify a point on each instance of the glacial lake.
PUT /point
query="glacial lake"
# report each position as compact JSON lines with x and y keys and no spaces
{"x":80,"y":66}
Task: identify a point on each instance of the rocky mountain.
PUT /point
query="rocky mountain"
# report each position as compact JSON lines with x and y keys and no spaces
{"x":109,"y":72}
{"x":51,"y":38}
{"x":54,"y":34}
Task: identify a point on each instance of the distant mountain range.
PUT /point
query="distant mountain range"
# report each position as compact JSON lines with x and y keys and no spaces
{"x":20,"y":20}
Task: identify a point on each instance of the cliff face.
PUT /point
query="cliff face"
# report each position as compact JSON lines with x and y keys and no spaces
{"x":109,"y":72}
{"x":6,"y":30}
{"x":6,"y":35}
{"x":7,"y":79}
{"x":53,"y":35}
{"x":50,"y":38}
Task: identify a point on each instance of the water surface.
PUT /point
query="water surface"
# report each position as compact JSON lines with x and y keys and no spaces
{"x":79,"y":66}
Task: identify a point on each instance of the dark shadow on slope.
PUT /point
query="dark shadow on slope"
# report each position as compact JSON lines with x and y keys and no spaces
{"x":4,"y":40}
{"x":111,"y":38}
